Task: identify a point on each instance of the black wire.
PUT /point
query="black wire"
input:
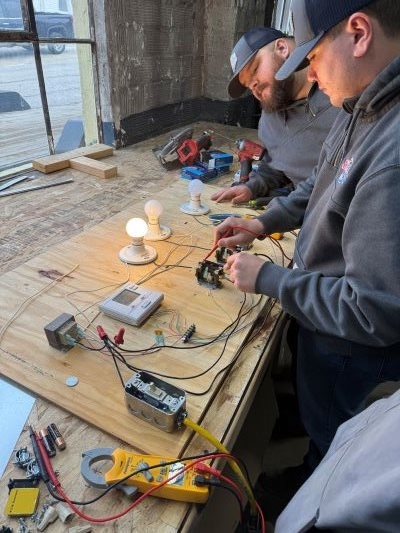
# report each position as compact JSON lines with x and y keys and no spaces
{"x":55,"y":495}
{"x":193,"y":347}
{"x":236,"y":325}
{"x":230,"y":489}
{"x":265,"y":255}
{"x":112,"y":351}
{"x":235,"y":358}
{"x":174,"y":347}
{"x":188,"y":245}
{"x":133,"y":368}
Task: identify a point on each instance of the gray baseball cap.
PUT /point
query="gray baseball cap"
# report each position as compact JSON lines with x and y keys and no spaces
{"x":311,"y":20}
{"x":245,"y":49}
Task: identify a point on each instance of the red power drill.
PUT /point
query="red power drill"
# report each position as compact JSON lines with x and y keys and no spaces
{"x":248,"y":151}
{"x":189,"y":151}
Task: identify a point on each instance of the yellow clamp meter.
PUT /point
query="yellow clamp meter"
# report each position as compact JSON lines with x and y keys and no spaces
{"x":180,"y":485}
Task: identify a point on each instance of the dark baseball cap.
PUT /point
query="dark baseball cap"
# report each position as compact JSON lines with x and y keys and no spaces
{"x":246,"y":48}
{"x":311,"y":20}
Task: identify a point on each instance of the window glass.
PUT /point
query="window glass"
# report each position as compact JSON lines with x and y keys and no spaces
{"x":69,"y":88}
{"x":59,"y":115}
{"x":11,"y":15}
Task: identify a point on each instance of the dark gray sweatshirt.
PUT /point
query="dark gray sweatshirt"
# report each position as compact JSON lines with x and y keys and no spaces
{"x":347,"y":280}
{"x":293,"y":139}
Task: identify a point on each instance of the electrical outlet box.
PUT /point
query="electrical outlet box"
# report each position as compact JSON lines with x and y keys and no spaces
{"x":155,"y":401}
{"x":63,"y":332}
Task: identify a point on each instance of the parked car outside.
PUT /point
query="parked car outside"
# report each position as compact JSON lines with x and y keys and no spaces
{"x":51,"y":25}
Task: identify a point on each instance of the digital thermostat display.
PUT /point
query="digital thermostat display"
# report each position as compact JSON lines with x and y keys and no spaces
{"x":131,"y":304}
{"x":126,"y":297}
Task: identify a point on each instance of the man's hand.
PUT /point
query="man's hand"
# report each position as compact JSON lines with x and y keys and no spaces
{"x":243,"y":270}
{"x":239,"y":194}
{"x":237,"y":231}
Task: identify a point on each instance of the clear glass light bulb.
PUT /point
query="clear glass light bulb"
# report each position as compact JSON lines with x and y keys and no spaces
{"x":195,"y":186}
{"x":136,"y":227}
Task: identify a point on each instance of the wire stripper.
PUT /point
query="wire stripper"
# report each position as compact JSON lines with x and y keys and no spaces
{"x":180,"y":488}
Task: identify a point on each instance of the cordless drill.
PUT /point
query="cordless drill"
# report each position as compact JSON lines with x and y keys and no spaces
{"x":248,"y":151}
{"x":189,"y":151}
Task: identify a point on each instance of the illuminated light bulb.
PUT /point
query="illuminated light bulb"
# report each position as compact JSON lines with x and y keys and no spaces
{"x":194,"y":207}
{"x":155,"y":232}
{"x":137,"y":253}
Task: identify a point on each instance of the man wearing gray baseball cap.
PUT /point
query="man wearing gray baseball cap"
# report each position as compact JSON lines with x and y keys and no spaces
{"x":295,"y":120}
{"x":344,"y":291}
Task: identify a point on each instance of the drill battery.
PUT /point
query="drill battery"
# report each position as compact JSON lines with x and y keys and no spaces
{"x":212,"y":163}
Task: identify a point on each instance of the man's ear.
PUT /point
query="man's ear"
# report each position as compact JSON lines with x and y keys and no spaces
{"x":282,"y":48}
{"x":359,"y":26}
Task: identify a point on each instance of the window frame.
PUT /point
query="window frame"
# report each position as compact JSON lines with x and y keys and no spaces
{"x":30,"y":36}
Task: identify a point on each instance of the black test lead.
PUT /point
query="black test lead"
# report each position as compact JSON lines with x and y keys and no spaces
{"x":47,"y":442}
{"x":56,"y":436}
{"x":38,"y":456}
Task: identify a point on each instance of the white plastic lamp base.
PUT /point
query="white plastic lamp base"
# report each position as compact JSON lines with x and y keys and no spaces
{"x":160,"y":235}
{"x":138,"y":255}
{"x":194,"y":208}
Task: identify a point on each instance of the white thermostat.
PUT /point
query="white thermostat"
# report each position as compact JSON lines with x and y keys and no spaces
{"x":131,"y":304}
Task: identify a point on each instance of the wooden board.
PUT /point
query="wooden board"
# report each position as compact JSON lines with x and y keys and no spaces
{"x":93,"y":167}
{"x":27,"y":358}
{"x":34,"y":225}
{"x":56,"y":162}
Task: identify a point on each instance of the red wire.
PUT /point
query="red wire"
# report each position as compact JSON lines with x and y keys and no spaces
{"x":211,"y":252}
{"x":213,"y":471}
{"x":60,"y":491}
{"x":217,"y":473}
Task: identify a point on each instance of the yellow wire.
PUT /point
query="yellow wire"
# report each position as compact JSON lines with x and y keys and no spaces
{"x":220,"y":447}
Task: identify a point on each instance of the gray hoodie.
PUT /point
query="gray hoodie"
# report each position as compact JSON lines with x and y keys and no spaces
{"x":294,"y":139}
{"x":357,"y":485}
{"x":347,"y":283}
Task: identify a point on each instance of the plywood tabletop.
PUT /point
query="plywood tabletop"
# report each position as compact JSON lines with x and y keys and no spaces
{"x":93,"y":413}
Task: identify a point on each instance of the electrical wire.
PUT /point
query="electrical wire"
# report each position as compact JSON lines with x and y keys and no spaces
{"x":27,"y":301}
{"x":134,"y":368}
{"x":58,"y":488}
{"x":218,"y":484}
{"x":232,"y":362}
{"x":221,"y":448}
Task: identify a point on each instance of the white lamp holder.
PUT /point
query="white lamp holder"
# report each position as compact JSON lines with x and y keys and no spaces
{"x":155,"y":232}
{"x":137,"y":253}
{"x":194,"y":206}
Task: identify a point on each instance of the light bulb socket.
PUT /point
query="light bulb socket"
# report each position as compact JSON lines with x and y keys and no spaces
{"x":157,"y":233}
{"x":194,"y":207}
{"x":137,"y":253}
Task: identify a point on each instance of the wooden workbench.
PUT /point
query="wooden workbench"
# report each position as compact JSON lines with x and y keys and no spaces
{"x":78,"y":230}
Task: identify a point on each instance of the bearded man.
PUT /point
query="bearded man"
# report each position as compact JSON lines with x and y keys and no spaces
{"x":296,"y":117}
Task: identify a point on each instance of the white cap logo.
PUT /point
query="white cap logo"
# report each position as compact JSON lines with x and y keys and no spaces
{"x":233,"y":61}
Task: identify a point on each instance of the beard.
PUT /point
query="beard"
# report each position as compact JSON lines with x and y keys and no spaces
{"x":281,"y":94}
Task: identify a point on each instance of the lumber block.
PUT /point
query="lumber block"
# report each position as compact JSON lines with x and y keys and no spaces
{"x":52,"y":163}
{"x":95,"y":168}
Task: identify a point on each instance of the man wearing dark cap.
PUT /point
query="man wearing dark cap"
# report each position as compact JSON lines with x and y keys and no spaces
{"x":296,"y":117}
{"x":344,"y":289}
